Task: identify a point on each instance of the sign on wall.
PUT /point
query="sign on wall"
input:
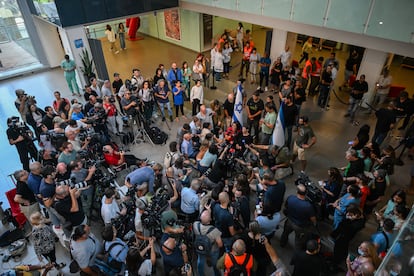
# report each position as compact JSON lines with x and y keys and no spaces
{"x":172,"y":24}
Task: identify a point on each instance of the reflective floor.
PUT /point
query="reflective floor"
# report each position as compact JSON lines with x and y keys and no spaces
{"x":333,"y":131}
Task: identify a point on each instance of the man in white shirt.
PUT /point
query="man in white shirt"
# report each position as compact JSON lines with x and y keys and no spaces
{"x":286,"y":57}
{"x":110,"y":209}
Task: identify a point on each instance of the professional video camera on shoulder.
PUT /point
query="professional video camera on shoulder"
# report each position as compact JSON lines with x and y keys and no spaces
{"x":131,"y":86}
{"x":20,"y":126}
{"x":313,"y":193}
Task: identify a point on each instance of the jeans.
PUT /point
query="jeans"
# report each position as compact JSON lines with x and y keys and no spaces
{"x":305,"y":57}
{"x":289,"y":136}
{"x":195,"y":106}
{"x":201,"y":260}
{"x":379,"y":137}
{"x":353,"y":106}
{"x":226,"y":67}
{"x":255,"y":125}
{"x":162,"y":106}
{"x":265,"y":76}
{"x":265,"y":139}
{"x":244,"y":63}
{"x":323,"y":95}
{"x":122,"y":40}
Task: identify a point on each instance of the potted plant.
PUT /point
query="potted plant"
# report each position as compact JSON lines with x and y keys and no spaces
{"x":87,"y":68}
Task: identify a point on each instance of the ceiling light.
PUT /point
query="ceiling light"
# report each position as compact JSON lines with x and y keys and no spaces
{"x":381,"y":22}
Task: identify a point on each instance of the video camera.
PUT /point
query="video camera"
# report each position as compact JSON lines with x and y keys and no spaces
{"x":130,"y":86}
{"x":21,"y":127}
{"x":313,"y":193}
{"x":55,"y":138}
{"x":151,"y":218}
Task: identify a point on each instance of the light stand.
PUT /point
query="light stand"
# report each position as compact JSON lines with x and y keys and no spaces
{"x":213,"y":87}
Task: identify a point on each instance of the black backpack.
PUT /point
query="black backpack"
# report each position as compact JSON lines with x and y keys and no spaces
{"x":238,"y":269}
{"x":202,"y":243}
{"x":158,"y":136}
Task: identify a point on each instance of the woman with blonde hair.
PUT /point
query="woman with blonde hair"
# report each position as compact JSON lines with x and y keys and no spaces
{"x":43,"y":239}
{"x":367,"y":254}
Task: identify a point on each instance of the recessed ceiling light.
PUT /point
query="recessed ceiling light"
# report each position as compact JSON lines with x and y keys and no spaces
{"x":381,"y":22}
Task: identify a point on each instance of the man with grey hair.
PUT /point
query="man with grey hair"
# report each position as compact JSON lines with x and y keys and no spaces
{"x":24,"y":196}
{"x":69,"y":206}
{"x":190,"y":202}
{"x":106,"y":89}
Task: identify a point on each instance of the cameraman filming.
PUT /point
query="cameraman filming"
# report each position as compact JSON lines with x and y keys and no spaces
{"x":22,"y":102}
{"x":20,"y":135}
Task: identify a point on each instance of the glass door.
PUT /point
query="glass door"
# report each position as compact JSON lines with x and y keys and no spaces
{"x":16,"y":48}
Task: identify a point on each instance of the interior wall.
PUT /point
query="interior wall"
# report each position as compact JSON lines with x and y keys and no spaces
{"x":50,"y":40}
{"x":154,"y":25}
{"x":221,"y":23}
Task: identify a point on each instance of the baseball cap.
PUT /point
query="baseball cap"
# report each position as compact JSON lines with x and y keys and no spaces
{"x":116,"y":74}
{"x":141,"y":203}
{"x":77,"y":106}
{"x":20,"y":92}
{"x":169,"y":218}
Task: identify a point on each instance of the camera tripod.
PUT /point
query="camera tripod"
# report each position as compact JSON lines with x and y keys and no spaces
{"x":156,"y":103}
{"x":138,"y":129}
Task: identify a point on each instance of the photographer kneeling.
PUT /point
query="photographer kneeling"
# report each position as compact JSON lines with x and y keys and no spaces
{"x":118,"y":158}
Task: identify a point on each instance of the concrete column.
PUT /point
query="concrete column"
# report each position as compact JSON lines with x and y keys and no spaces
{"x":371,"y":66}
{"x":278,"y":43}
{"x":69,"y":36}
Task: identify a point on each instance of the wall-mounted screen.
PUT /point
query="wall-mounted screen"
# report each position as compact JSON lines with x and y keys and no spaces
{"x":79,"y":12}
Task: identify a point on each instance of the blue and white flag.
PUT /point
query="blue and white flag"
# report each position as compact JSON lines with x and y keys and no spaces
{"x":278,"y":137}
{"x":238,"y":106}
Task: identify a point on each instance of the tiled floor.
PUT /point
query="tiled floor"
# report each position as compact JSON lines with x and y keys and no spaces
{"x":332,"y":130}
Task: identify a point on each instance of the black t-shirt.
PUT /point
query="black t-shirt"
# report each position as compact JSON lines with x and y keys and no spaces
{"x":290,"y":113}
{"x":350,"y":62}
{"x":302,"y":93}
{"x":229,"y":107}
{"x":218,"y":172}
{"x":275,"y":194}
{"x":86,"y":95}
{"x":385,"y":117}
{"x":305,"y":264}
{"x":359,"y":86}
{"x":13,"y":134}
{"x":117,"y":85}
{"x":254,"y":107}
{"x":63,"y":207}
{"x":355,"y":167}
{"x":326,"y":78}
{"x":48,"y":121}
{"x":242,"y":141}
{"x":378,"y":191}
{"x":24,"y":191}
{"x":363,"y":139}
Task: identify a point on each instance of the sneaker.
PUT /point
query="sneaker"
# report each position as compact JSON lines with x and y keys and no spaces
{"x":117,"y":52}
{"x":266,"y":89}
{"x":258,"y":88}
{"x":347,"y":115}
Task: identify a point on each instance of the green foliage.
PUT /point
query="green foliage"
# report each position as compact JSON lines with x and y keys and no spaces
{"x":87,"y":63}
